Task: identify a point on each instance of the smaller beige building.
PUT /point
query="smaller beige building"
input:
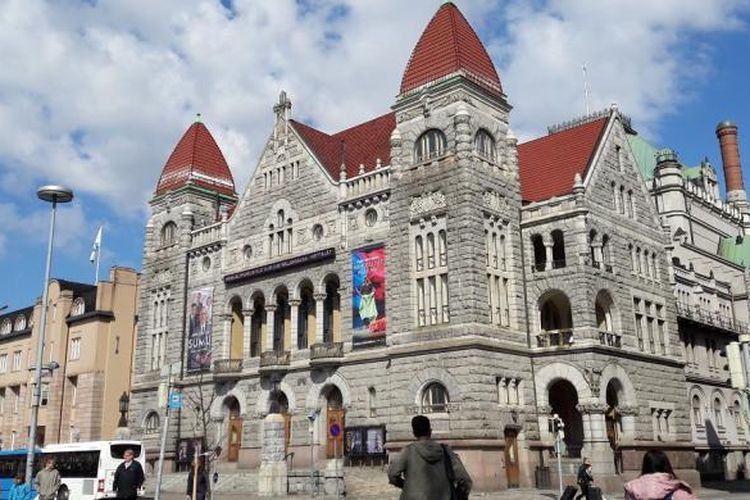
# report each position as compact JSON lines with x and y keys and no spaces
{"x":90,"y":331}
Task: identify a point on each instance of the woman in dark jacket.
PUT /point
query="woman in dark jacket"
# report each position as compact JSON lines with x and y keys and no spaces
{"x":201,"y":485}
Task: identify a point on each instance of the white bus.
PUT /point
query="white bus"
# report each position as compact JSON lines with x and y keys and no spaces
{"x":87,"y":470}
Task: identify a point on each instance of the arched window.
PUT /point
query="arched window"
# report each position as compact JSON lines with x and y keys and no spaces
{"x":737,"y":410}
{"x":484,"y":144}
{"x":168,"y":233}
{"x":540,"y":252}
{"x":372,"y":400}
{"x":697,"y":413}
{"x":151,"y":423}
{"x":718,"y":413}
{"x":434,"y":398}
{"x":419,"y":253}
{"x":6,"y":327}
{"x":20,"y":322}
{"x":443,"y":247}
{"x":430,"y":250}
{"x":558,"y":249}
{"x":280,"y":218}
{"x":430,"y":144}
{"x":78,"y":307}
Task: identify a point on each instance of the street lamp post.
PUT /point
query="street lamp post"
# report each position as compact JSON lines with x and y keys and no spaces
{"x":54,"y":195}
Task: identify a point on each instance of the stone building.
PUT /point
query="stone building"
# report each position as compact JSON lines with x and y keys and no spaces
{"x":424,"y":262}
{"x":88,"y":355}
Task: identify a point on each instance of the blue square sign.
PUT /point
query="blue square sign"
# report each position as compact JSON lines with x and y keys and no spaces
{"x":175,"y":400}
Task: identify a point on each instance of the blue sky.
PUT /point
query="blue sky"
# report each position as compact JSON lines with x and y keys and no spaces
{"x":97,"y":94}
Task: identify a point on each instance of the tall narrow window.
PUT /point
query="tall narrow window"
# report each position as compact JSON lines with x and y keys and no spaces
{"x":422,"y":320}
{"x":430,"y":277}
{"x":443,"y":247}
{"x":484,"y":145}
{"x":168,"y":233}
{"x":430,"y":250}
{"x":371,"y":401}
{"x":419,"y":253}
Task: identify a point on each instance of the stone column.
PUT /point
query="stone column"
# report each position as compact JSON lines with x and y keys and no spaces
{"x":548,"y":250}
{"x":595,"y":443}
{"x":226,"y":322}
{"x":272,"y":474}
{"x":294,"y":320}
{"x":247,"y":332}
{"x":270,"y":326}
{"x":627,"y":419}
{"x":598,"y":255}
{"x":319,"y":311}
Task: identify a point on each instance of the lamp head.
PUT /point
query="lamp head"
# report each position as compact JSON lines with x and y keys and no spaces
{"x":54,"y":194}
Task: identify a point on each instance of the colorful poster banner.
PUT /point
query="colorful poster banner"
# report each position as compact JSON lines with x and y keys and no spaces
{"x":368,"y":297}
{"x":200,"y":327}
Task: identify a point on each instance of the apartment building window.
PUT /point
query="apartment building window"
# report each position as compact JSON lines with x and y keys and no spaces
{"x":16,"y":393}
{"x":650,"y":327}
{"x":73,"y":390}
{"x":3,"y":363}
{"x":75,"y":348}
{"x":431,"y":280}
{"x":44,"y":393}
{"x":17,"y":356}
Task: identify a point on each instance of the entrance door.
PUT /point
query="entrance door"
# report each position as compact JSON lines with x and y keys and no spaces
{"x":511,"y":457}
{"x":335,"y":444}
{"x":235,"y":438}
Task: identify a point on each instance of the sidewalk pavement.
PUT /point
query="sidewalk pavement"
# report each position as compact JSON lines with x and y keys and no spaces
{"x":732,"y":492}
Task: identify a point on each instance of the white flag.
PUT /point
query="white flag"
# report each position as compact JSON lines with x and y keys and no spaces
{"x":96,"y":247}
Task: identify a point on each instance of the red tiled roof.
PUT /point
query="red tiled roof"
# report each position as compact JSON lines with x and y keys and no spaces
{"x":548,"y":165}
{"x":196,"y":158}
{"x":449,"y":45}
{"x":362,"y":144}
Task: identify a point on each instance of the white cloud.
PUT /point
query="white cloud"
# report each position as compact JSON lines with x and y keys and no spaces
{"x":96,"y":96}
{"x":641,"y":54}
{"x":71,"y":230}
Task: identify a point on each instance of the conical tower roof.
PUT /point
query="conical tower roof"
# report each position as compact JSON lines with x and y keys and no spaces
{"x":449,"y":46}
{"x":196,"y":159}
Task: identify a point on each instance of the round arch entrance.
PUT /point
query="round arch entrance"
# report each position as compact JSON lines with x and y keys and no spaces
{"x":334,"y":417}
{"x":563,"y":398}
{"x":234,"y":428}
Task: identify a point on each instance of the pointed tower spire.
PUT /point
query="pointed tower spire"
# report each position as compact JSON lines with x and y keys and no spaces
{"x":196,"y":160}
{"x":449,"y":46}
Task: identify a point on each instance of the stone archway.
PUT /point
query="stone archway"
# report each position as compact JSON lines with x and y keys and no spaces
{"x":563,"y":401}
{"x":233,"y":422}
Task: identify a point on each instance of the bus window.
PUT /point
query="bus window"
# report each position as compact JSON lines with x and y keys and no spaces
{"x":76,"y":463}
{"x":117,"y":450}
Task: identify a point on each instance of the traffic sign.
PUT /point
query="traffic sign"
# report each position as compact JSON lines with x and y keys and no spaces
{"x":335,"y":429}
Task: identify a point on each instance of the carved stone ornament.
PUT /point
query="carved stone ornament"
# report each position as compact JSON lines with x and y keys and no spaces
{"x":494,"y":201}
{"x":427,"y":203}
{"x":591,"y":407}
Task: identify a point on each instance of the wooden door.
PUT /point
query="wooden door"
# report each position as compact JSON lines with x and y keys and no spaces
{"x":335,"y":445}
{"x":234,"y":438}
{"x":287,"y":430}
{"x":511,"y":457}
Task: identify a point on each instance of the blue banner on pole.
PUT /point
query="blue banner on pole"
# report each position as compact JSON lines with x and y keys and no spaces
{"x":175,"y":400}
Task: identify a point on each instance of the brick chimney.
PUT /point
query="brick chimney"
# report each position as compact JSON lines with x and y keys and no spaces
{"x":726,"y":131}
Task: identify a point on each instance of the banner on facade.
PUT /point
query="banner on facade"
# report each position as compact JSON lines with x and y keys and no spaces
{"x":200,"y":327}
{"x":368,"y":297}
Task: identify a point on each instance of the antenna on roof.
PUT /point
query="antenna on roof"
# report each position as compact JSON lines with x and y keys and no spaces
{"x":586,"y":87}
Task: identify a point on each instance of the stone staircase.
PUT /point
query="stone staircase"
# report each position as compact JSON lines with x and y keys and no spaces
{"x":230,"y":481}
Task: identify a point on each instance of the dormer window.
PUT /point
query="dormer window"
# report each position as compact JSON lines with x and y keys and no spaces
{"x":20,"y":323}
{"x":484,"y":145}
{"x":78,"y":307}
{"x":431,"y":144}
{"x":168,"y":233}
{"x":6,"y":327}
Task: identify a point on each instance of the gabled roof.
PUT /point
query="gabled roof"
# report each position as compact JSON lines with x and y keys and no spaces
{"x":362,"y":144}
{"x":449,"y":46}
{"x":198,"y":159}
{"x":548,"y":165}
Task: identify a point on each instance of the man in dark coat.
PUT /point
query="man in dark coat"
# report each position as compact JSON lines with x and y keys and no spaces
{"x":421,"y":469}
{"x":128,"y":477}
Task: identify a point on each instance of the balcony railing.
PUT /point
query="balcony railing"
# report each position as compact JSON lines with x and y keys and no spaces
{"x":227,"y":366}
{"x":712,"y":318}
{"x":610,"y":339}
{"x":274,"y":359}
{"x":327,"y":351}
{"x":554,"y":338}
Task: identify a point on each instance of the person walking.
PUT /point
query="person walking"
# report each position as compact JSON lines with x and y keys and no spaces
{"x":201,"y":483}
{"x":20,"y":489}
{"x":47,"y":480}
{"x":657,"y":481}
{"x":584,"y":479}
{"x":128,"y":477}
{"x":428,"y":470}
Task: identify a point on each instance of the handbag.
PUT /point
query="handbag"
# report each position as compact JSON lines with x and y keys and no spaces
{"x":456,"y":493}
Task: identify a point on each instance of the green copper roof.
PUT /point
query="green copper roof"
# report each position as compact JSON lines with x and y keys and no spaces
{"x":737,"y":252}
{"x":645,"y":155}
{"x":691,"y":172}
